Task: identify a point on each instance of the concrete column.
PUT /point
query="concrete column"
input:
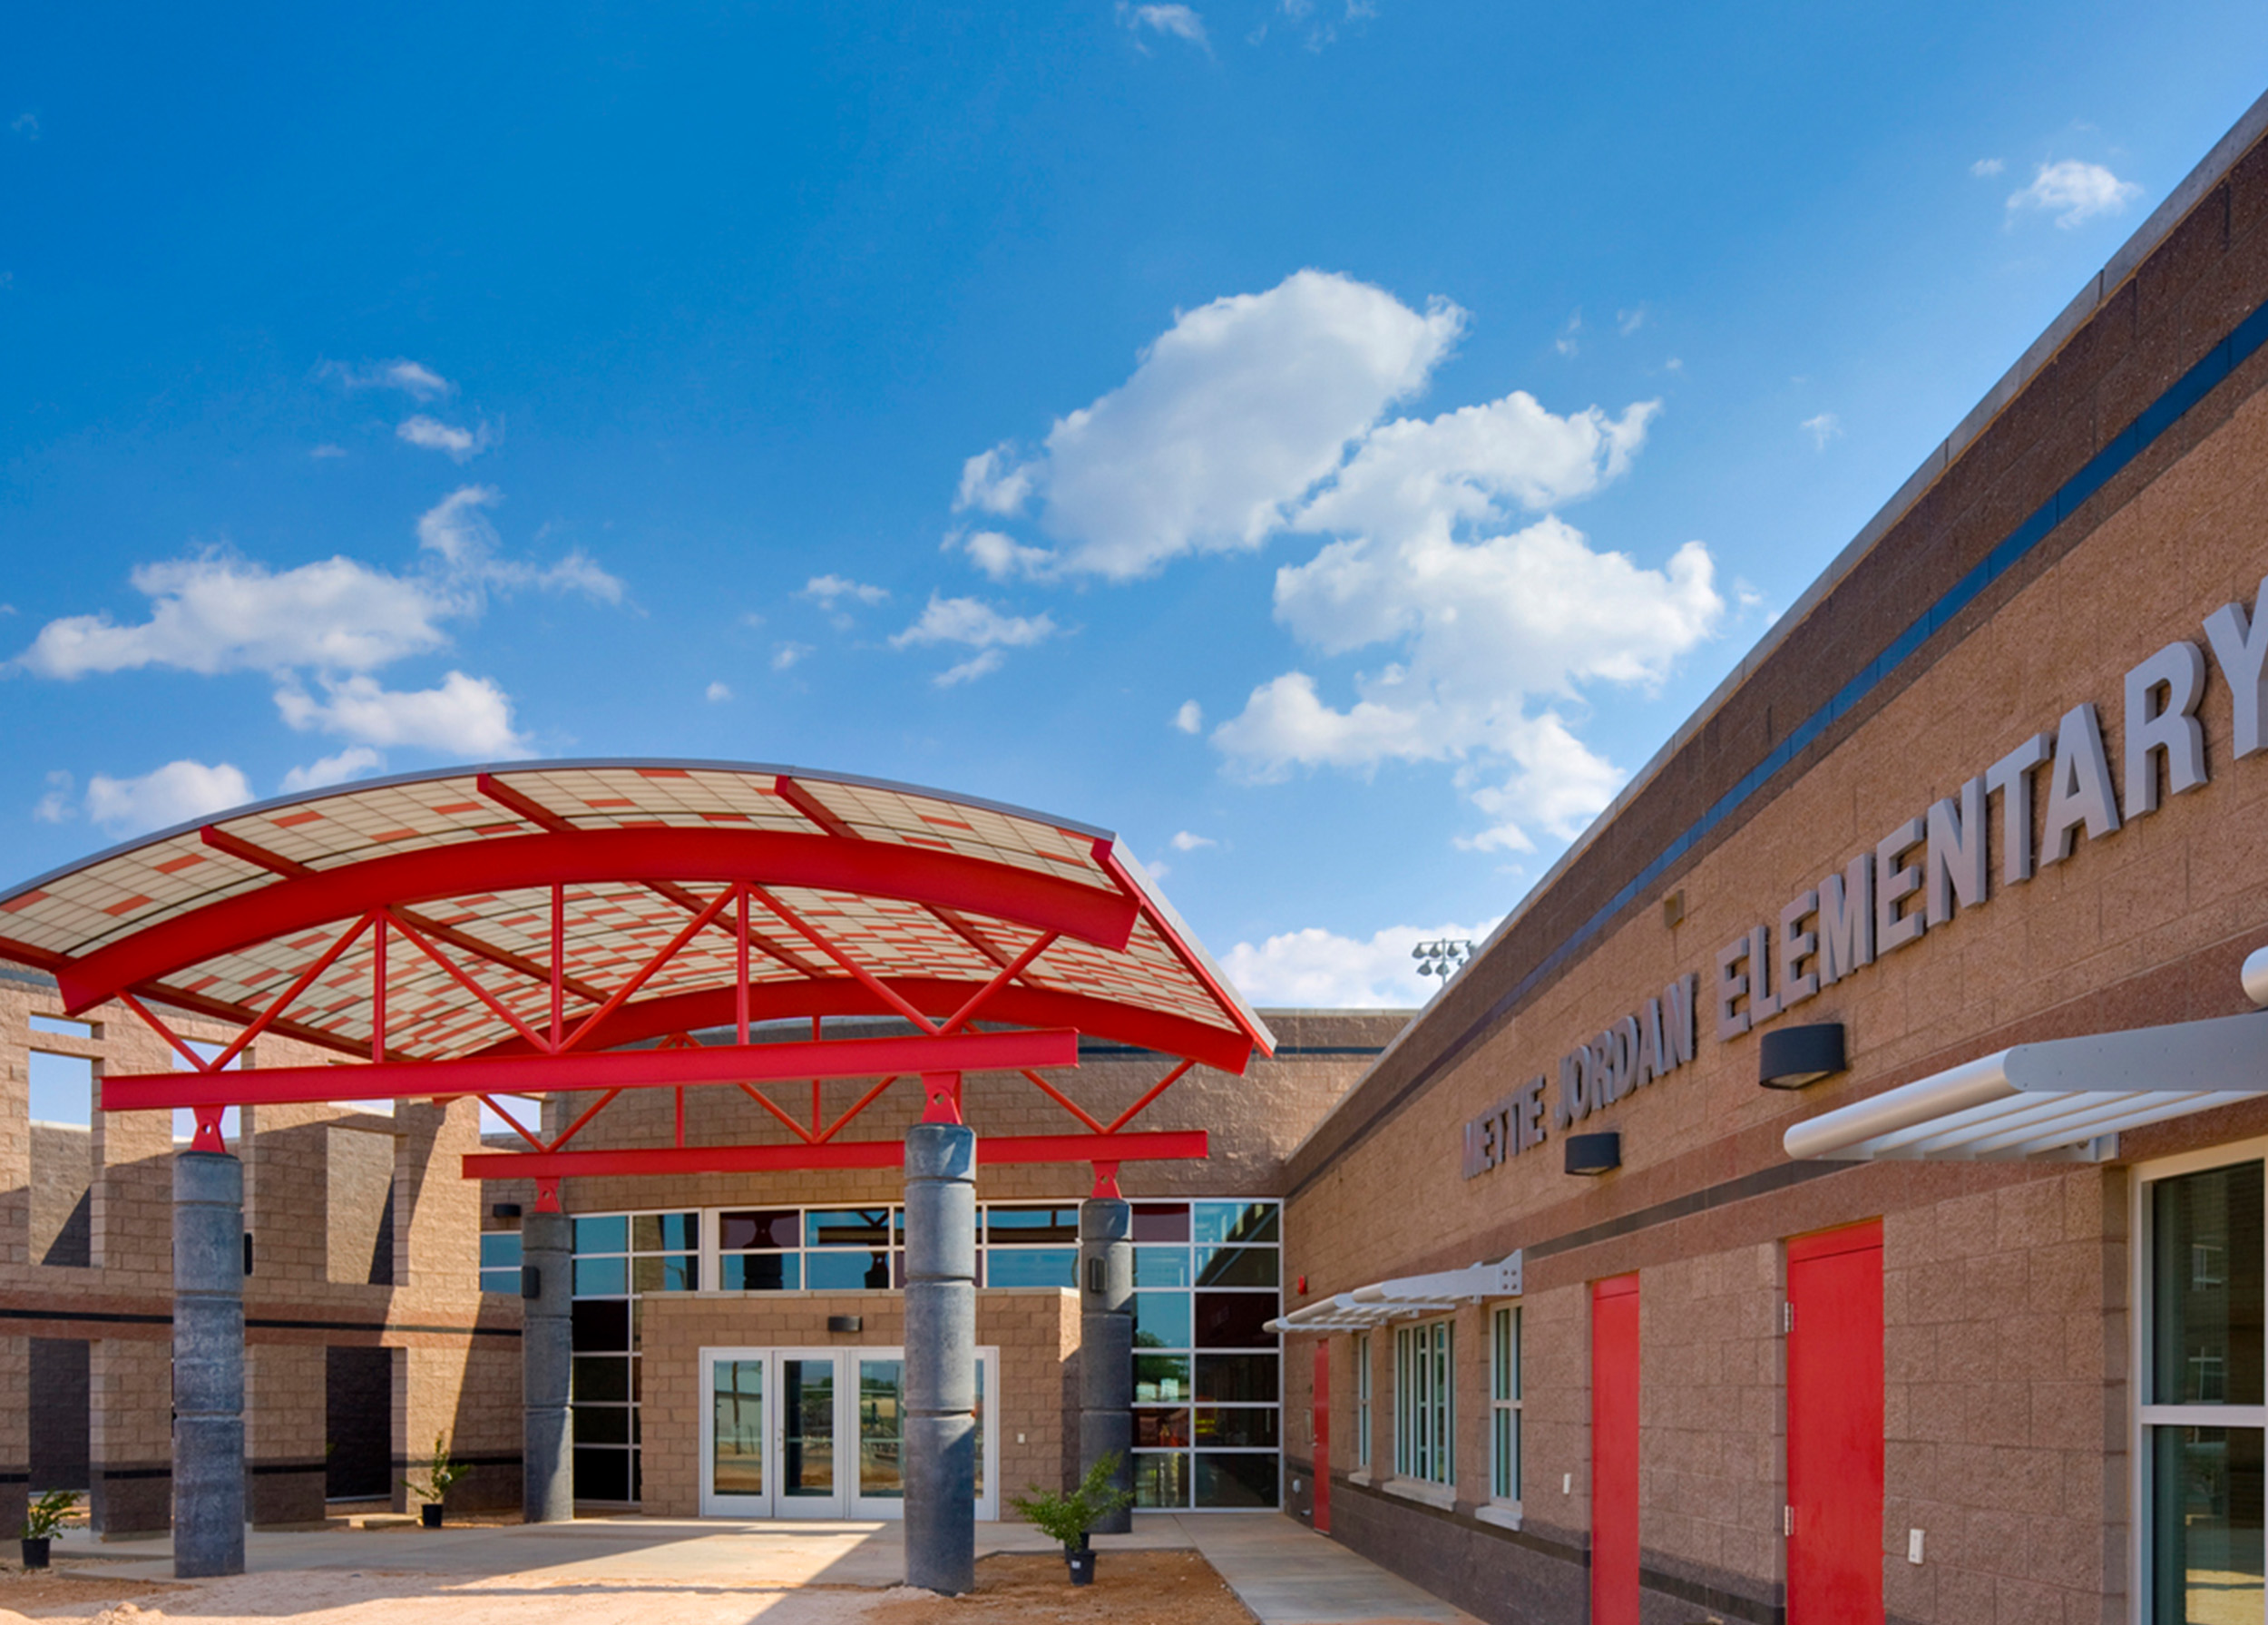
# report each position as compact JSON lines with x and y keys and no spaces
{"x":940,"y":1357}
{"x":1106,"y":1344}
{"x":547,"y":1456}
{"x":208,"y":1365}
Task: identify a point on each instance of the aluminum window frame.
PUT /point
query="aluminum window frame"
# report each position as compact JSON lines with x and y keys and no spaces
{"x":1506,"y":1404}
{"x":2141,"y":1364}
{"x":1425,"y":1401}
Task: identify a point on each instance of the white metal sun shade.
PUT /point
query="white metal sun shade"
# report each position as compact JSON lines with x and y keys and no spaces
{"x":1405,"y":1295}
{"x":2067,"y":1098}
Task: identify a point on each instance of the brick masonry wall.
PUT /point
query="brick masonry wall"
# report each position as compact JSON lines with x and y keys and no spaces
{"x":2007,"y":1309}
{"x":1035,"y":1330}
{"x":463,"y":1377}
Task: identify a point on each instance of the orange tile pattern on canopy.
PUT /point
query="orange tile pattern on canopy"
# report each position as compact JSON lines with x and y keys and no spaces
{"x":932,"y":895}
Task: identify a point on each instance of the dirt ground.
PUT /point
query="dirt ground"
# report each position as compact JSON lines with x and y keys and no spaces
{"x":1130,"y":1588}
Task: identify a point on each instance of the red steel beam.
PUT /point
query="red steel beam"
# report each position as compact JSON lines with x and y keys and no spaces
{"x":275,"y":862}
{"x":614,"y":1069}
{"x":664,"y":1160}
{"x":504,"y":862}
{"x":1220,"y":1048}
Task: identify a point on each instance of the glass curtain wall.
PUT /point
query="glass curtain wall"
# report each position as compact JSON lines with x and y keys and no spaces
{"x":1208,"y":1374}
{"x":621,"y":1259}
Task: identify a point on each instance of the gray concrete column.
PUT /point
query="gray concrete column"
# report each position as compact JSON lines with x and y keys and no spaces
{"x":208,"y":1365}
{"x":547,"y":1346}
{"x":1106,"y":1345}
{"x":940,"y":1357}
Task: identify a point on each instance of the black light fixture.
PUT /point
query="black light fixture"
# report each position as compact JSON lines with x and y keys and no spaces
{"x":1593,"y":1154}
{"x":1792,"y":1057}
{"x":504,"y":1210}
{"x":846,"y":1323}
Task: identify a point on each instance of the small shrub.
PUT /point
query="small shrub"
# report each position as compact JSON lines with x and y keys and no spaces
{"x":1064,"y":1518}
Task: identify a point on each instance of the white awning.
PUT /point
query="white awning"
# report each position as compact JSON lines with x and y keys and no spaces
{"x":1405,"y":1295}
{"x":2067,"y":1098}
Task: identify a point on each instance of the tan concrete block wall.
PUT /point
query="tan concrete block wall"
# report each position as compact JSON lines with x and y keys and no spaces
{"x":1036,"y":1330}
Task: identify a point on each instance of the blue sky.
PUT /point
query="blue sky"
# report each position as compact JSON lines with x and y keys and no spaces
{"x":1331,"y":445}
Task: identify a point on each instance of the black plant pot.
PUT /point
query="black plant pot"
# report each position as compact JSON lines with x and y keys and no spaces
{"x":35,"y":1552}
{"x":430,"y":1514}
{"x":1082,"y":1560}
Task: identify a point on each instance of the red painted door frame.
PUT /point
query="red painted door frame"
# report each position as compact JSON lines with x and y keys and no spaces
{"x":1323,"y":1435}
{"x":1614,"y":1451}
{"x":1835,"y":1427}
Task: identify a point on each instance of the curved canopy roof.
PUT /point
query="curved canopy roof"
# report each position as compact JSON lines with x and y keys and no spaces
{"x":860,"y":896}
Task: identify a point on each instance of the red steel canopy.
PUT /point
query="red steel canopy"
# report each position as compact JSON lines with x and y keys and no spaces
{"x":507,"y":930}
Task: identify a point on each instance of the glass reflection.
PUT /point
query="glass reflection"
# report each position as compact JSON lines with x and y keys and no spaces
{"x":2208,"y":1268}
{"x":2206,"y":1539}
{"x":737,"y":1455}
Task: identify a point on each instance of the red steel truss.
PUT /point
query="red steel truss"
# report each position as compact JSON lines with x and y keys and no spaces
{"x":405,"y":929}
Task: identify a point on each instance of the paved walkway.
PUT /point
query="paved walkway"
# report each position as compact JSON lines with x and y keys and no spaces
{"x":1285,"y":1573}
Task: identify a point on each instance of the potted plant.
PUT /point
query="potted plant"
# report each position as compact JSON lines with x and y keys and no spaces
{"x":41,"y":1519}
{"x":1068,"y":1518}
{"x":440,"y":1474}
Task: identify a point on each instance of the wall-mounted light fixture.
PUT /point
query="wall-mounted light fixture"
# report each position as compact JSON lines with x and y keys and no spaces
{"x":1792,"y":1057}
{"x":1593,"y":1154}
{"x":846,"y":1323}
{"x":504,"y":1210}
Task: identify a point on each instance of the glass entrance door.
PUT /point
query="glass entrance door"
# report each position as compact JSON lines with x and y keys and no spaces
{"x":817,"y":1433}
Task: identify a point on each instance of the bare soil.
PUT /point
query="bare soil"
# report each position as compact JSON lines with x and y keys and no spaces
{"x":1130,"y":1588}
{"x":35,"y":1594}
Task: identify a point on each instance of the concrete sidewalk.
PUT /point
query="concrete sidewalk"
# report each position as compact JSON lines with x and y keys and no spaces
{"x":1285,"y":1573}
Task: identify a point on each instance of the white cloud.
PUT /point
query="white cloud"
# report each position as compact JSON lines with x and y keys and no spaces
{"x":1567,"y":344}
{"x":1183,"y":841}
{"x":413,"y":378}
{"x":214,"y":613}
{"x":1414,"y":475}
{"x":973,"y":622}
{"x":173,"y":794}
{"x":457,"y":533}
{"x":1627,"y":322}
{"x":993,"y":482}
{"x":431,"y":435}
{"x":1004,"y":558}
{"x":1179,"y":21}
{"x":2074,"y":192}
{"x":26,"y":124}
{"x":350,"y":763}
{"x":1190,"y":718}
{"x":826,"y":588}
{"x":717,"y":693}
{"x":1484,"y":629}
{"x":1822,"y":428}
{"x":1319,"y":969}
{"x":1984,"y":167}
{"x":464,"y":717}
{"x":1234,"y":413}
{"x":54,"y":806}
{"x":327,"y":450}
{"x":784,"y":655}
{"x":969,"y":670}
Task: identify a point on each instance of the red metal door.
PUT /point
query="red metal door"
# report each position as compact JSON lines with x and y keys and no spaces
{"x":1614,"y":1451}
{"x":1835,"y":1427}
{"x":1323,"y":1435}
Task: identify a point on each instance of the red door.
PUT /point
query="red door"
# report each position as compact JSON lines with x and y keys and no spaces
{"x":1323,"y":1435}
{"x":1614,"y":1451}
{"x":1835,"y":1427}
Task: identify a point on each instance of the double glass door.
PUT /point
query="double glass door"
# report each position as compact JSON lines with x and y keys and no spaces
{"x":818,"y":1433}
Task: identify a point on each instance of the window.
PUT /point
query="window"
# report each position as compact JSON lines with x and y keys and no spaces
{"x":1504,"y":1405}
{"x":1362,"y":1400}
{"x":1426,"y":1403}
{"x":500,"y":1262}
{"x":2200,"y":1461}
{"x":1208,"y":1371}
{"x":621,"y":1259}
